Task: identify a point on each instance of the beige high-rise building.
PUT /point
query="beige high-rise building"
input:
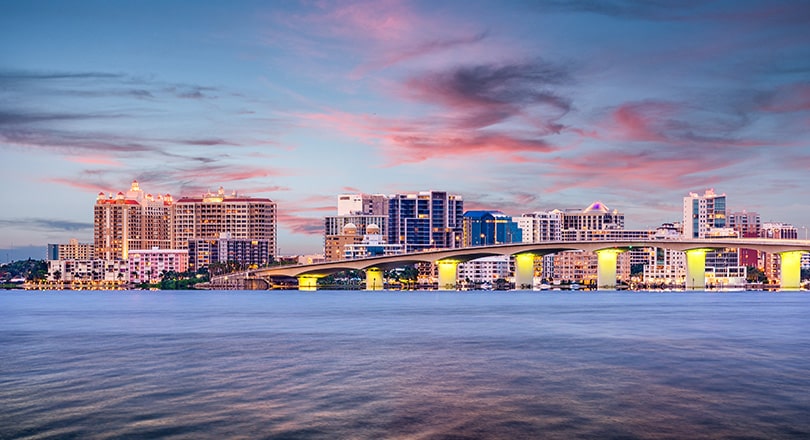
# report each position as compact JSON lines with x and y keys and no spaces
{"x":131,"y":220}
{"x":210,"y":215}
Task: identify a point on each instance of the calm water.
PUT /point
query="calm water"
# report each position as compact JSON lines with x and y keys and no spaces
{"x":417,"y":365}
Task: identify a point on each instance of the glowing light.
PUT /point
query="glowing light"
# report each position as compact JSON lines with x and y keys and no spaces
{"x":448,"y":274}
{"x":606,"y":268}
{"x":790,"y":272}
{"x":524,"y":271}
{"x":696,"y":269}
{"x":374,"y":279}
{"x":308,"y":283}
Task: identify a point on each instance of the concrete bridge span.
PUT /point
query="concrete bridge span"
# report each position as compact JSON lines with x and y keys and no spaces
{"x":607,"y":252}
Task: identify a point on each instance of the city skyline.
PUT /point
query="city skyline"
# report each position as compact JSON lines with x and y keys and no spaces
{"x":515,"y":107}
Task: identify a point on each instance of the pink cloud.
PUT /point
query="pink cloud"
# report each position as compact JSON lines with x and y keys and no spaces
{"x":652,"y":169}
{"x":641,"y":122}
{"x":788,"y":98}
{"x":85,"y":186}
{"x":299,"y":224}
{"x":95,"y":160}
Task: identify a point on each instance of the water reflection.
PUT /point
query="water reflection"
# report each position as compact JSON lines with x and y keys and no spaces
{"x":352,"y":365}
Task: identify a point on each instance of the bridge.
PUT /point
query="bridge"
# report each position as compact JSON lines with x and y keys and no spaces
{"x":607,"y":252}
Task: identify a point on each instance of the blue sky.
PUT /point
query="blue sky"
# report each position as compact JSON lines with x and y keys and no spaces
{"x":518,"y":106}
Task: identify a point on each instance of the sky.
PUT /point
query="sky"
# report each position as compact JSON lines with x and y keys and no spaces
{"x":516,"y":106}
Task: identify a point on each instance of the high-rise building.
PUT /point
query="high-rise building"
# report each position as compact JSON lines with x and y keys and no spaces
{"x":703,"y":213}
{"x":747,"y":224}
{"x":363,"y":204}
{"x":482,"y":228}
{"x":71,"y":251}
{"x":209,"y":216}
{"x":425,"y":220}
{"x":596,"y":222}
{"x":131,"y":221}
{"x":597,"y":216}
{"x":540,"y":226}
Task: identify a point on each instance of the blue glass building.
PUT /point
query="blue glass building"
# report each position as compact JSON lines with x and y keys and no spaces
{"x":481,"y":228}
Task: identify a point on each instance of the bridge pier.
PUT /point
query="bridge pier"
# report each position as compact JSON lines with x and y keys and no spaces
{"x":308,"y":283}
{"x":374,"y":279}
{"x":448,"y":274}
{"x":696,"y":269}
{"x":524,"y":271}
{"x":606,"y":268}
{"x":790,"y":276}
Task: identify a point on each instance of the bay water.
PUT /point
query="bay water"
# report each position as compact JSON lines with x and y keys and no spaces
{"x":404,"y":365}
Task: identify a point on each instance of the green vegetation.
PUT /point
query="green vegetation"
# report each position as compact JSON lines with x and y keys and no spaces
{"x":30,"y":270}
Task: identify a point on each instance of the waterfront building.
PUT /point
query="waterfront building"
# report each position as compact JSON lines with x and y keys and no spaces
{"x":240,"y":216}
{"x":482,"y":228}
{"x":71,"y":251}
{"x":87,"y":270}
{"x":131,"y":220}
{"x":149,"y":265}
{"x":247,"y":252}
{"x":665,"y":267}
{"x":486,"y":270}
{"x":425,"y":220}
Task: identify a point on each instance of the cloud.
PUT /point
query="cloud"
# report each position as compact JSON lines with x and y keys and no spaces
{"x":650,"y":168}
{"x":46,"y":224}
{"x":300,"y":224}
{"x":486,"y":94}
{"x":90,"y":186}
{"x":788,"y":98}
{"x":13,"y":118}
{"x":393,"y":57}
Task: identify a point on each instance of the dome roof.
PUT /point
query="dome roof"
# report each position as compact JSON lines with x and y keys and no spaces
{"x":597,"y":207}
{"x":350,"y":228}
{"x":372,"y":229}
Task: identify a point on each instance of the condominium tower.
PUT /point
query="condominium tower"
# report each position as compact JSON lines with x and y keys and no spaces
{"x":425,"y":220}
{"x":213,"y":214}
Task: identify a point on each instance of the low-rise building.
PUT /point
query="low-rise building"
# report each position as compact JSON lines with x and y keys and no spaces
{"x":149,"y":265}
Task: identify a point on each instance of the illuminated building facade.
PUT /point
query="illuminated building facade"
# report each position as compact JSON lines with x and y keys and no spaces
{"x":131,"y":220}
{"x":209,"y":216}
{"x":247,"y":252}
{"x":540,"y":226}
{"x":149,"y":265}
{"x":335,"y":244}
{"x":71,"y":251}
{"x":486,"y":270}
{"x":596,"y":222}
{"x":703,"y":213}
{"x":482,"y":228}
{"x":597,"y":216}
{"x":772,"y":263}
{"x":372,"y":244}
{"x":748,"y":225}
{"x":425,"y":220}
